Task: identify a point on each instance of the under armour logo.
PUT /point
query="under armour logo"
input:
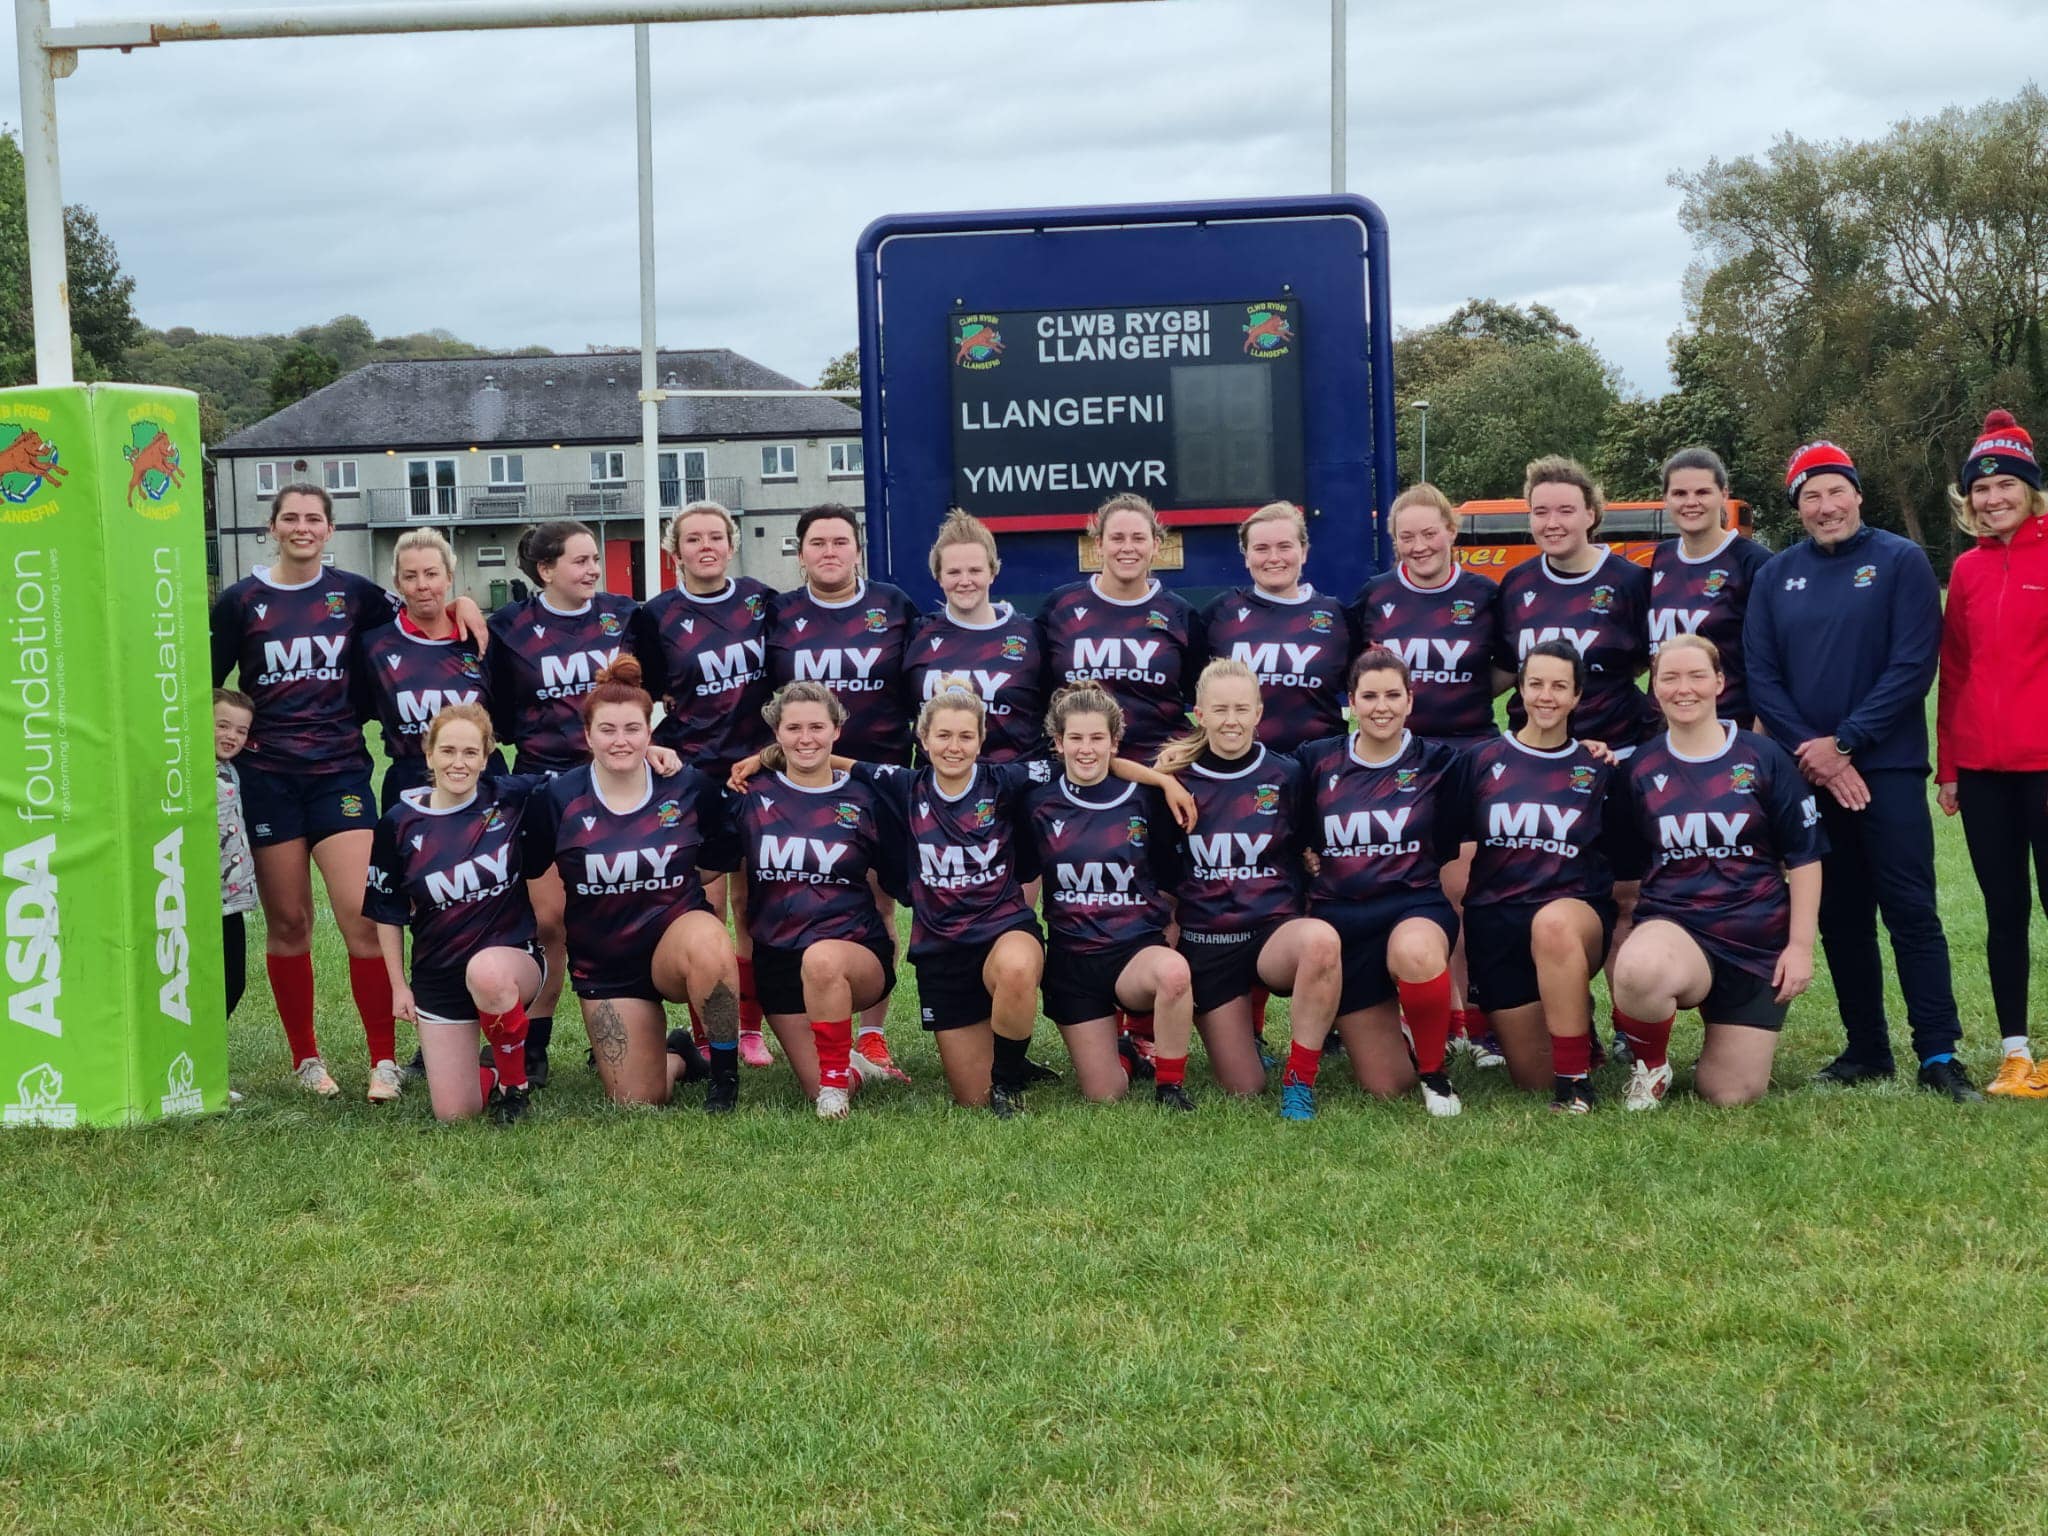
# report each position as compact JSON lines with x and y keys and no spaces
{"x":1795,"y":583}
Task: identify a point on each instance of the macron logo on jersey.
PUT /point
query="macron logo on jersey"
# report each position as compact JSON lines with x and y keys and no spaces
{"x":467,"y":878}
{"x":263,"y":610}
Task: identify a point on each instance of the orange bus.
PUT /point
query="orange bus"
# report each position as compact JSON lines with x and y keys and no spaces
{"x":1493,"y":536}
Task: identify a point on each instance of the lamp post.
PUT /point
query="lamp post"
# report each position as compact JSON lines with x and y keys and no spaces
{"x":1421,"y":408}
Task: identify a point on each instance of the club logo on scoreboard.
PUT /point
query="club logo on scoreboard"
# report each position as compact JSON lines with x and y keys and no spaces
{"x":1268,"y":330}
{"x":977,"y":344}
{"x":154,"y":468}
{"x":29,"y":461}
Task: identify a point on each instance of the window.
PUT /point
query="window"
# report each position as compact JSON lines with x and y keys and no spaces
{"x":490,"y":554}
{"x":269,"y":476}
{"x":608,"y":466}
{"x":507,"y":469}
{"x":430,"y":487}
{"x":846,"y":459}
{"x":684,"y":477}
{"x":339,"y":475}
{"x":778,"y":461}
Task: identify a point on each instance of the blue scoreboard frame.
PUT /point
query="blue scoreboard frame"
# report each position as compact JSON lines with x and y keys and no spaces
{"x":1322,"y":258}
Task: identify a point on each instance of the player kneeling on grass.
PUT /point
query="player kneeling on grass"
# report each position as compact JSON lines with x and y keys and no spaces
{"x":817,"y":843}
{"x":1731,"y":901}
{"x":1551,"y":824}
{"x":1105,"y":848}
{"x":450,"y":862}
{"x":628,"y":833}
{"x":1379,"y":808}
{"x":1240,"y":904}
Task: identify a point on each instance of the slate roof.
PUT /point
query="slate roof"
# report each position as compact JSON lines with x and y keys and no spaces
{"x":535,"y":401}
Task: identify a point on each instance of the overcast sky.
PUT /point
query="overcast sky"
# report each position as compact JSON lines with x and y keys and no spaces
{"x":485,"y":182}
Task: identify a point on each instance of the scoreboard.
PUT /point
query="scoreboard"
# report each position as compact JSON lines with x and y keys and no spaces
{"x":1210,"y":357}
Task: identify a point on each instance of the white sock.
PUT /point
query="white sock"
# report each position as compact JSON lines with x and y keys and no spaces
{"x":2016,"y":1045}
{"x":875,"y":1029}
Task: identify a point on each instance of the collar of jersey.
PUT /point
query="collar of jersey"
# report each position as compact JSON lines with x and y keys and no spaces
{"x":1351,"y":750}
{"x":1450,"y":581}
{"x":860,"y":591}
{"x":262,"y":574}
{"x":1712,"y":554}
{"x":639,"y":805}
{"x":1308,"y":595}
{"x":708,"y":598}
{"x":1543,"y":562}
{"x":424,"y":793}
{"x":1251,"y":766}
{"x":404,"y":625}
{"x":1571,"y":745}
{"x":973,"y":779}
{"x":1125,"y":602}
{"x":1067,"y":788}
{"x":563,"y":613}
{"x":1003,"y":611}
{"x":838,"y":782}
{"x":1727,"y":745}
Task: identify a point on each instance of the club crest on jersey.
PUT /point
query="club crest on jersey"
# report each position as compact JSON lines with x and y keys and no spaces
{"x":1013,"y":647}
{"x":1319,"y":622}
{"x":493,"y":819}
{"x":668,"y":813}
{"x":1155,"y":620}
{"x":1462,"y":611}
{"x":1865,"y":575}
{"x":753,"y":605}
{"x":608,"y":622}
{"x":1742,"y":778}
{"x":470,"y":666}
{"x":984,"y":815}
{"x":1404,"y":779}
{"x":1602,"y":600}
{"x":1582,"y":781}
{"x":1715,"y":581}
{"x":337,"y":606}
{"x":1134,"y":831}
{"x":351,"y":805}
{"x":1266,"y":799}
{"x":846,"y":814}
{"x":876,"y":620}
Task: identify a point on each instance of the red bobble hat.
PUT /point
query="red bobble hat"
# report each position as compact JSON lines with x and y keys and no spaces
{"x":2002,"y":448}
{"x":1821,"y":458}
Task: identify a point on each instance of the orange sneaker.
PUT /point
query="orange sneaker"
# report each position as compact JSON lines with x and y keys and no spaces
{"x":2018,"y":1079}
{"x":872,"y":1059}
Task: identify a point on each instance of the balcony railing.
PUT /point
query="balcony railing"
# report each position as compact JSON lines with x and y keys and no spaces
{"x":608,"y":501}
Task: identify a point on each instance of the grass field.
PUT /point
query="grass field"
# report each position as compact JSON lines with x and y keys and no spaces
{"x":1819,"y":1314}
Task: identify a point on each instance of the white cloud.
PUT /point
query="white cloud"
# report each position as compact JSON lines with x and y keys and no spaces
{"x":485,"y":182}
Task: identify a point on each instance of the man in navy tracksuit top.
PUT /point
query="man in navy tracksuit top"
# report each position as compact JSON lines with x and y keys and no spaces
{"x":1841,"y":639}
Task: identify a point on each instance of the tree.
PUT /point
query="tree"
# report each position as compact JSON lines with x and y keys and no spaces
{"x":103,"y":322}
{"x":843,"y":372}
{"x":302,"y":369}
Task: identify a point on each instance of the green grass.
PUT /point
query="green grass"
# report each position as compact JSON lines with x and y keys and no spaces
{"x":1818,"y":1314}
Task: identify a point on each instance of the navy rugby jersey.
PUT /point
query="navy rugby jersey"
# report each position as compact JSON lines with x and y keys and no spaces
{"x":967,"y":883}
{"x":1605,"y":614}
{"x":1298,"y":647}
{"x":808,"y":853}
{"x":455,"y":877}
{"x":1000,"y":664}
{"x":1241,"y":867}
{"x":292,"y":646}
{"x":1719,"y":834}
{"x":408,"y":679}
{"x":1379,"y":829}
{"x":1549,"y":824}
{"x":856,"y":648}
{"x":1147,"y":652}
{"x":628,"y":874}
{"x":1708,"y":597}
{"x":540,"y":664}
{"x":706,"y":659}
{"x":1450,"y":638}
{"x":1106,"y":851}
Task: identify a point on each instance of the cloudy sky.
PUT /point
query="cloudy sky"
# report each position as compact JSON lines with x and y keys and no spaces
{"x":485,"y":182}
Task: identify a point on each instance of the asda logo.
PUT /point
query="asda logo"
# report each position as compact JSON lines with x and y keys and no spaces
{"x":173,"y":945}
{"x":34,"y":949}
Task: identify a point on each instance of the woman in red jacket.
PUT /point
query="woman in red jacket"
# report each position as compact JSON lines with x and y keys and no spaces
{"x":1991,"y":717}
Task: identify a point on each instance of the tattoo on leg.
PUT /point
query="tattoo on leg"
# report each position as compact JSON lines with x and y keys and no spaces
{"x":722,"y":1014}
{"x":607,"y":1031}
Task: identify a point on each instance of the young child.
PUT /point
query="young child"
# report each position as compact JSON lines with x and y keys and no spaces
{"x":233,"y":713}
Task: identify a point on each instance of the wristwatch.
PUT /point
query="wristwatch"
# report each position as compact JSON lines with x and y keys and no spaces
{"x":1842,"y":746}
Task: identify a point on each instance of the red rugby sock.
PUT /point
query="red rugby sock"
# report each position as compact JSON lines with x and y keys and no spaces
{"x":1260,"y":998}
{"x":1649,"y":1039}
{"x":1137,"y":1024}
{"x":1170,"y":1071}
{"x":486,"y":1080}
{"x":1303,"y":1063}
{"x":750,"y":1005}
{"x":835,"y":1047}
{"x":697,"y":1033}
{"x":507,"y":1033}
{"x":291,"y":984}
{"x":371,"y":985}
{"x":1571,"y":1055}
{"x":1426,"y":1009}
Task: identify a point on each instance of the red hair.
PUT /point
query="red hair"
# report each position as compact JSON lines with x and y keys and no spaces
{"x":618,"y":683}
